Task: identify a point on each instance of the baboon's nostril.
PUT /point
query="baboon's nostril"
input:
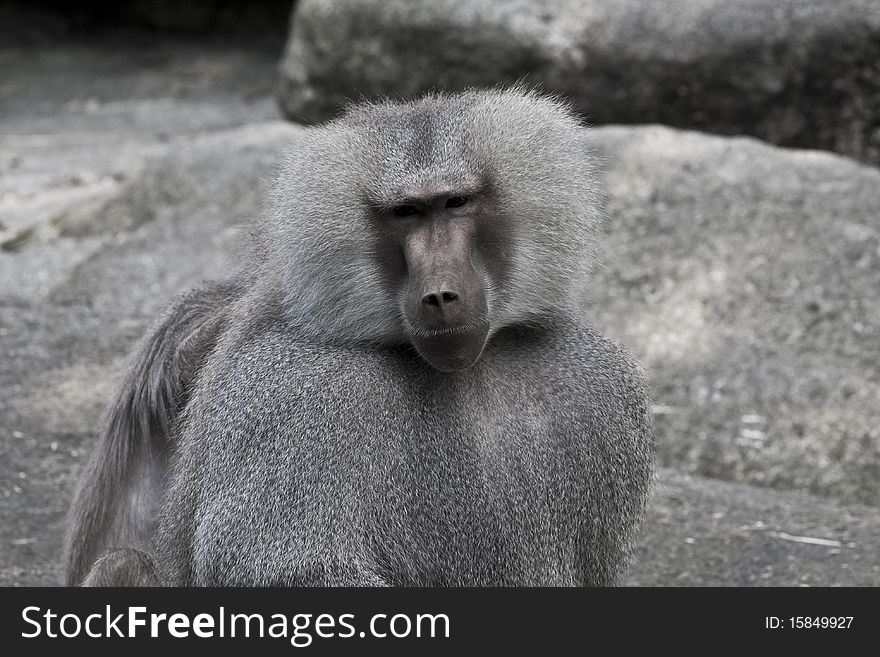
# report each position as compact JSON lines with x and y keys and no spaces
{"x":439,"y":299}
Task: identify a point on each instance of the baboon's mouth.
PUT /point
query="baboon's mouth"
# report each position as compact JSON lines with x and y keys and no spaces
{"x":453,"y":349}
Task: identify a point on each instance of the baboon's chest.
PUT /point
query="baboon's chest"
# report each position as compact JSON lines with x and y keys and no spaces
{"x":415,"y":479}
{"x":433,"y":503}
{"x":496,"y":525}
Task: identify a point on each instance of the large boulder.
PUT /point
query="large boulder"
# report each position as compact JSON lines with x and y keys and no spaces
{"x":747,"y":280}
{"x":800,"y":73}
{"x":73,"y":147}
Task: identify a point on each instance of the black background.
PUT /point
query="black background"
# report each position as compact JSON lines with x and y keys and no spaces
{"x":524,"y":621}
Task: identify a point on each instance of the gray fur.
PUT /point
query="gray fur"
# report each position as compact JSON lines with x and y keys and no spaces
{"x":317,"y":246}
{"x":313,"y":444}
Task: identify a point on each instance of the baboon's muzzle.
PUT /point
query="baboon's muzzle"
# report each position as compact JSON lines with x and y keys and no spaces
{"x":446,"y":308}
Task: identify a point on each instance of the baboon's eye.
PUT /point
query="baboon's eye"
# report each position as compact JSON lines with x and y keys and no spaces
{"x":456,"y":201}
{"x":405,"y":210}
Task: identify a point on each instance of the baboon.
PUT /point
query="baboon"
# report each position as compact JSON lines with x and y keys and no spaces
{"x":399,"y":390}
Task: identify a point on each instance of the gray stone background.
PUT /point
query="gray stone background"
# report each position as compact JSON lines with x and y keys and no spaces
{"x":739,"y":142}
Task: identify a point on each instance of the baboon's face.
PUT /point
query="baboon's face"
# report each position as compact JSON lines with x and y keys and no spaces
{"x":437,"y":222}
{"x":442,"y":250}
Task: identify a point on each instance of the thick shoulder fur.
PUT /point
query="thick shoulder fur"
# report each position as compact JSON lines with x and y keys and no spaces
{"x":273,"y":411}
{"x":610,"y":413}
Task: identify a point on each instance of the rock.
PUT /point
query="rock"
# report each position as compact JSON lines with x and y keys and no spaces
{"x":73,"y":147}
{"x":745,"y":278}
{"x":802,"y":73}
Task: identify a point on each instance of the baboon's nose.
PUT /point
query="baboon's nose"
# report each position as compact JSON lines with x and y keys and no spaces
{"x":440,"y":298}
{"x":446,"y":301}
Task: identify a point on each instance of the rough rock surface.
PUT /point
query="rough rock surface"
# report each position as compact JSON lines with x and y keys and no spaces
{"x":745,"y":278}
{"x":800,"y":73}
{"x":77,"y":122}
